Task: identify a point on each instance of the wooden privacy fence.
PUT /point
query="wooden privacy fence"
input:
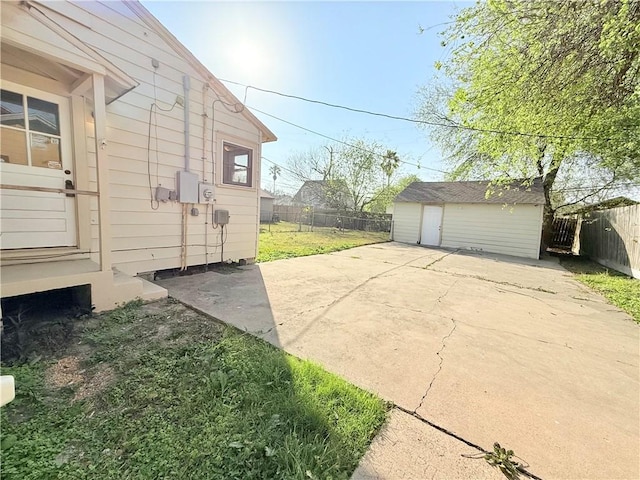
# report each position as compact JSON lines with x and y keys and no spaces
{"x":612,"y":237}
{"x":364,"y":221}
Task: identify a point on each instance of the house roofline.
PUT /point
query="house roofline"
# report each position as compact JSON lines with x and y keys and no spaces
{"x":146,"y":16}
{"x":126,"y":82}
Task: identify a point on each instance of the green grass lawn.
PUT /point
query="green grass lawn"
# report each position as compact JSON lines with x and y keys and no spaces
{"x":284,"y":240}
{"x":621,"y":290}
{"x":159,"y":391}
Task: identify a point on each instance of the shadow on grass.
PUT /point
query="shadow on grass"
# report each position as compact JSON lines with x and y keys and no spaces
{"x":161,"y":391}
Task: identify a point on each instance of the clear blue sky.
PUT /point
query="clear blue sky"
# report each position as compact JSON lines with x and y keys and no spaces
{"x":367,"y":55}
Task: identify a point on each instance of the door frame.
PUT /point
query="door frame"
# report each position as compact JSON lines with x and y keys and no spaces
{"x":441,"y":206}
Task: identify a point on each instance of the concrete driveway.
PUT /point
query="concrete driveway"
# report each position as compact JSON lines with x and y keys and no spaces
{"x":489,"y":348}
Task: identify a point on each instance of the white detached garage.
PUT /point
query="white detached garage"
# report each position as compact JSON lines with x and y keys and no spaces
{"x":462,"y":215}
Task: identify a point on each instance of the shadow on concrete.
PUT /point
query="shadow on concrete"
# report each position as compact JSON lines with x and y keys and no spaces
{"x":237,"y":298}
{"x":498,"y":332}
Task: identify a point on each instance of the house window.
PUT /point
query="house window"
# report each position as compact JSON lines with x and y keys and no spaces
{"x":237,"y":164}
{"x":29,"y":131}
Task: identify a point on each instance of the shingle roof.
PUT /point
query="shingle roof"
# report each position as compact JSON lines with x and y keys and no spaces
{"x":265,"y":194}
{"x":472,"y":192}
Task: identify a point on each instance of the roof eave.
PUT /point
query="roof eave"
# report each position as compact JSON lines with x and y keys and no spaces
{"x":123,"y":81}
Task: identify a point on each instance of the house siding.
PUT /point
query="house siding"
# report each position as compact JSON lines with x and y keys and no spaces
{"x":510,"y":230}
{"x":144,"y":239}
{"x":406,"y":222}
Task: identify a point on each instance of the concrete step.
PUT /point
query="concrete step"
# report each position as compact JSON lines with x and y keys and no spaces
{"x":137,"y":287}
{"x":151,"y":291}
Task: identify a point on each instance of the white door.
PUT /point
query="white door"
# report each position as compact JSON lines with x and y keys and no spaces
{"x":35,"y":151}
{"x":431,"y":224}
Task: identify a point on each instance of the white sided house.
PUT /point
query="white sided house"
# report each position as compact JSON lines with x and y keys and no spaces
{"x":462,"y":215}
{"x":120,"y":153}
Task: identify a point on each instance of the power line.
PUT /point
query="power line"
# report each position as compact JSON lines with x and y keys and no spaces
{"x":343,"y":142}
{"x":278,"y":165}
{"x":413,"y":120}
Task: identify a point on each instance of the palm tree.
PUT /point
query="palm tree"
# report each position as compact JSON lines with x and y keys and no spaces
{"x":274,"y":170}
{"x":390,"y":163}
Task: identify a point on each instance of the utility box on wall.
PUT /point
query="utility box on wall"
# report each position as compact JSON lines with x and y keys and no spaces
{"x":205,"y":193}
{"x":221,"y":217}
{"x":187,"y":186}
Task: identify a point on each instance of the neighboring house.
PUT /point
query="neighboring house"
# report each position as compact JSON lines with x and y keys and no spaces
{"x":98,"y":185}
{"x":322,"y":194}
{"x":283,"y":199}
{"x":266,"y":206}
{"x":460,"y":215}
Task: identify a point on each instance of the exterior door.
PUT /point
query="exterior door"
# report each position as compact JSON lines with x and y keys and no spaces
{"x":431,"y":225}
{"x":35,"y":151}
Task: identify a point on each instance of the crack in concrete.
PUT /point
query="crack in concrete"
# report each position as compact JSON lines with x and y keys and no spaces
{"x":454,"y":435}
{"x":335,"y":302}
{"x":426,"y":267}
{"x":340,"y":299}
{"x":438,"y":353}
{"x":508,"y":332}
{"x":555,"y":344}
{"x":498,"y":282}
{"x":435,"y":375}
{"x":528,"y":296}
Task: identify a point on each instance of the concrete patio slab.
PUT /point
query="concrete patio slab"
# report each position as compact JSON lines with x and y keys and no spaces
{"x":492,"y":348}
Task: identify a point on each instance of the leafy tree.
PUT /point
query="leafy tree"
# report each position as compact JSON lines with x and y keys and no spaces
{"x":353,"y":173}
{"x":359,"y":169}
{"x":384,"y":197}
{"x":540,"y":87}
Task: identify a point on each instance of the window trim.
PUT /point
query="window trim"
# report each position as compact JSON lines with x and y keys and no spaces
{"x":250,"y":164}
{"x":62,"y":136}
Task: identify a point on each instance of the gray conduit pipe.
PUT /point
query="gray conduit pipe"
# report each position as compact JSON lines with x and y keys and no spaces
{"x":186,"y":84}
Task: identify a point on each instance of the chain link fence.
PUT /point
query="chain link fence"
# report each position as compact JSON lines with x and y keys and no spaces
{"x":309,"y":217}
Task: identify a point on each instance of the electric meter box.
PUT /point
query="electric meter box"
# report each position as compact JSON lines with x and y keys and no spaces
{"x":187,"y":186}
{"x":221,"y":217}
{"x":205,"y":192}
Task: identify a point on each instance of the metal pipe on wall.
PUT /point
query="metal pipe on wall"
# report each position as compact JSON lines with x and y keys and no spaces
{"x":205,"y":88}
{"x":186,"y":84}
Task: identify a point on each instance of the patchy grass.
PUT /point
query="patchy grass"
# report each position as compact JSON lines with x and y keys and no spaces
{"x":284,"y":240}
{"x":159,"y":391}
{"x":621,"y":290}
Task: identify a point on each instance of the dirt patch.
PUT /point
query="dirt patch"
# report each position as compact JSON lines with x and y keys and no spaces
{"x":68,"y":372}
{"x":64,"y":372}
{"x":101,"y":378}
{"x":163,"y":332}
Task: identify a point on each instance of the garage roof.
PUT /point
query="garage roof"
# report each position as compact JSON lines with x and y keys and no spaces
{"x":473,"y":192}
